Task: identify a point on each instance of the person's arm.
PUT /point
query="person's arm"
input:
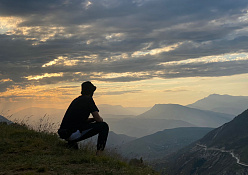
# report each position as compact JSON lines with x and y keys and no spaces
{"x":91,"y":120}
{"x":97,"y":117}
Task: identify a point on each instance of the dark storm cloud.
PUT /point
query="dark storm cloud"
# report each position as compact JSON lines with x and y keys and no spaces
{"x":26,"y":7}
{"x":79,"y":29}
{"x":206,"y":69}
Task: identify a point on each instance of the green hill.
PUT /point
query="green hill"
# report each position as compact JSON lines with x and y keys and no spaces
{"x":25,"y":151}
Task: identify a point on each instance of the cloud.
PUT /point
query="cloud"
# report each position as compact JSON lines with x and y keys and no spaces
{"x":134,"y":40}
{"x":212,"y":69}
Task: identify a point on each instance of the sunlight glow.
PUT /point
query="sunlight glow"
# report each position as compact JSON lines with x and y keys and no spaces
{"x":211,"y":59}
{"x":61,"y":60}
{"x":44,"y":76}
{"x":115,"y":37}
{"x":40,"y":33}
{"x":116,"y":57}
{"x":9,"y":23}
{"x":5,"y":80}
{"x":87,"y":4}
{"x":156,"y":51}
{"x":118,"y":75}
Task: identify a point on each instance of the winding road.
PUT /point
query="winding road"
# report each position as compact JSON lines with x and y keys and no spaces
{"x":224,"y":151}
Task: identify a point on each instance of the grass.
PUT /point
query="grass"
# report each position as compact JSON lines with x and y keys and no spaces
{"x":26,"y":151}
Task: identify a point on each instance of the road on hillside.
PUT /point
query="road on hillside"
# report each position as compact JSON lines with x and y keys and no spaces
{"x":224,"y":151}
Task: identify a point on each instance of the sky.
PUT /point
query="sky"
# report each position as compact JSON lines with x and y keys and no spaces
{"x":137,"y":52}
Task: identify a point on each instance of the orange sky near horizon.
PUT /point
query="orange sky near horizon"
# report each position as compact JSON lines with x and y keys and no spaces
{"x":145,"y":93}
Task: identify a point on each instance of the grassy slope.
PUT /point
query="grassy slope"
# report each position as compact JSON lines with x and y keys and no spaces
{"x":25,"y":151}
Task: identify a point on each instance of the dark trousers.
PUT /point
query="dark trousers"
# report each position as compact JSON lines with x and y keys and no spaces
{"x":91,"y":129}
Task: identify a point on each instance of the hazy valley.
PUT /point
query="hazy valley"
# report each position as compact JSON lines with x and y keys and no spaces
{"x":162,"y":143}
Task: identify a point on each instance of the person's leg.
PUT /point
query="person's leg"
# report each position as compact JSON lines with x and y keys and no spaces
{"x":103,"y":136}
{"x":71,"y":140}
{"x":100,"y":128}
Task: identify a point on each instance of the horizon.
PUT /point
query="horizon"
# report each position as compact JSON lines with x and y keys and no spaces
{"x":137,"y":52}
{"x":102,"y":106}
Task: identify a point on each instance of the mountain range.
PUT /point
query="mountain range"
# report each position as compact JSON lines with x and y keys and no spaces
{"x":194,"y":116}
{"x":223,"y":151}
{"x":167,"y":116}
{"x":123,"y":120}
{"x":233,"y":105}
{"x":162,"y":143}
{"x":106,"y":110}
{"x":135,"y":127}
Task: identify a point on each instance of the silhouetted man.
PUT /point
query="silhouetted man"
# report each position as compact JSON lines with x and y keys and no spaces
{"x":76,"y":124}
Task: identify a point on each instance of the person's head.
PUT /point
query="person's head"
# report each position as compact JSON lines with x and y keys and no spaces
{"x":88,"y":88}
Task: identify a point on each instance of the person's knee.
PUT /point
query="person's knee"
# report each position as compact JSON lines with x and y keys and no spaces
{"x":105,"y":126}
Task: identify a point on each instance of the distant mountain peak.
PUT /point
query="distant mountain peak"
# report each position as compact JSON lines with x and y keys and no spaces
{"x":169,"y":104}
{"x":194,"y":116}
{"x":224,"y":95}
{"x":233,"y":105}
{"x":214,"y":95}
